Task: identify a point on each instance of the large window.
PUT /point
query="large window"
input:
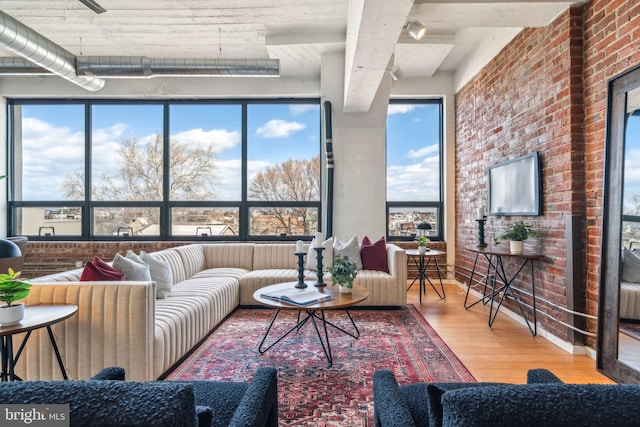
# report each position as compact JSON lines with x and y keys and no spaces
{"x":414,"y":168}
{"x":164,"y":169}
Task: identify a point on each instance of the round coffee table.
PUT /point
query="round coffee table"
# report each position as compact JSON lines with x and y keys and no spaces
{"x":314,"y":312}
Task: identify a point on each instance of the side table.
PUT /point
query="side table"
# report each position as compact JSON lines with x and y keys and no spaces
{"x":419,"y":261}
{"x":35,"y":317}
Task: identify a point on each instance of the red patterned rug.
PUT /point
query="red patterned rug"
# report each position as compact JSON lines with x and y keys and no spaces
{"x":310,"y":393}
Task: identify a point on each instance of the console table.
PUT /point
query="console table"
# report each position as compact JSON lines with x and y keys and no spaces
{"x":496,"y":272}
{"x":35,"y":317}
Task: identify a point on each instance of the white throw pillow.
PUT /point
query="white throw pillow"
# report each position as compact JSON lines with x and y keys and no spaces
{"x":132,"y":270}
{"x":312,"y":254}
{"x":160,"y":273}
{"x":350,"y":249}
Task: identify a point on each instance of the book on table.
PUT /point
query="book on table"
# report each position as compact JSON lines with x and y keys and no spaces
{"x":301,"y":297}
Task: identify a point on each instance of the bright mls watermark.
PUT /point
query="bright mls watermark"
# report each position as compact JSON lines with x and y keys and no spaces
{"x":34,"y":415}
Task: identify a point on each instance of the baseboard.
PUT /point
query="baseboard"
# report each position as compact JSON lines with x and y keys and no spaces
{"x":564,"y":345}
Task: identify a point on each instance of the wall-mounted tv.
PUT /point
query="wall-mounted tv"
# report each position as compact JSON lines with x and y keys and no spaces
{"x":514,"y":187}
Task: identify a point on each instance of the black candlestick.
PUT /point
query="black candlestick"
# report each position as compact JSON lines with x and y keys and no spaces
{"x":320,"y":281}
{"x":481,"y":242}
{"x":300,"y":284}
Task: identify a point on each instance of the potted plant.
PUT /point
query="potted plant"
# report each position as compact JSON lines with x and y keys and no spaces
{"x":517,"y":234}
{"x":423,"y":244}
{"x":12,"y":289}
{"x":343,"y":272}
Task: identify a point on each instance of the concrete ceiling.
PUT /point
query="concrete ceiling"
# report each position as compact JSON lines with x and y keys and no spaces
{"x":462,"y":36}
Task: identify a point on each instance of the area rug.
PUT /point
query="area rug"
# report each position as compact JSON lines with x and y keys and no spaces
{"x":311,"y":393}
{"x":631,"y":328}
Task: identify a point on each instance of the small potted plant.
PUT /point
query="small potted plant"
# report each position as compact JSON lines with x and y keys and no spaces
{"x":12,"y":289}
{"x":423,"y":244}
{"x":343,"y":272}
{"x":517,"y":234}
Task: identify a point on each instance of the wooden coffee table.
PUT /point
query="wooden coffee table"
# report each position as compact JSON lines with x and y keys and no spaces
{"x":314,"y":312}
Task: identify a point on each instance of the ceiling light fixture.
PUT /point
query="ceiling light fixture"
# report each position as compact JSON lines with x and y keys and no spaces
{"x":395,"y":73}
{"x":93,"y":5}
{"x":416,"y":29}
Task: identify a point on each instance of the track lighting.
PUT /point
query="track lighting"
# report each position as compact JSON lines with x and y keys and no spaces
{"x":416,"y":29}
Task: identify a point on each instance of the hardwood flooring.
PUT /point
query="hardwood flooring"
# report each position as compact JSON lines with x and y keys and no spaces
{"x":504,"y":352}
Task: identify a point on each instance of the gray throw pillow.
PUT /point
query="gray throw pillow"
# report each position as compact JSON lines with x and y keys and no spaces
{"x":160,"y":273}
{"x":350,"y":249}
{"x":132,"y":270}
{"x":630,"y":266}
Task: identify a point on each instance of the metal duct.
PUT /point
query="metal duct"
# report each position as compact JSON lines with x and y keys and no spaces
{"x":31,"y":45}
{"x":143,"y":67}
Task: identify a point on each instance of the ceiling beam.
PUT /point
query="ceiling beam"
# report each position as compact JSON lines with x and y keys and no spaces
{"x":373,"y":28}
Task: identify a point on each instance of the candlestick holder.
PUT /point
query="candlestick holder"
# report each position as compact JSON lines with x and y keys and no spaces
{"x":481,"y":242}
{"x":300,"y":284}
{"x":320,"y":274}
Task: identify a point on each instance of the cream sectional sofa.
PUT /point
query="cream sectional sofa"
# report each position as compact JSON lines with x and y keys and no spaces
{"x":123,"y":324}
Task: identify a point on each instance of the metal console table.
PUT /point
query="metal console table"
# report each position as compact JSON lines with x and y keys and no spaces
{"x":496,"y":273}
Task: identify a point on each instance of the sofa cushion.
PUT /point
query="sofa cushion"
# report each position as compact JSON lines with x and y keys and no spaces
{"x":274,"y":255}
{"x":192,"y":258}
{"x":374,"y":255}
{"x":160,"y":273}
{"x":97,"y":270}
{"x":229,"y":255}
{"x":543,"y":405}
{"x":350,"y":249}
{"x":114,"y":403}
{"x":175,"y":262}
{"x":133,"y":270}
{"x":312,"y":254}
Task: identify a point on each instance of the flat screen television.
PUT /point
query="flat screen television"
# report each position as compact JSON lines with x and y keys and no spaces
{"x":514,"y":186}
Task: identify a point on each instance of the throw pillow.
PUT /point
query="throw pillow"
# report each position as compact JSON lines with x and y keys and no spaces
{"x":160,"y":273}
{"x":312,"y":255}
{"x":132,"y":269}
{"x":374,"y":255}
{"x":98,"y":270}
{"x":434,"y":397}
{"x":350,"y":249}
{"x":630,"y":266}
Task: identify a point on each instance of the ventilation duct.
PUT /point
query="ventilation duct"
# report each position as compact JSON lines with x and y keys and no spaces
{"x":31,"y":45}
{"x":143,"y":67}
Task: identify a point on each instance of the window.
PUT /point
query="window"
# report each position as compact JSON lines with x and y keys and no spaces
{"x":414,"y":168}
{"x":164,"y":169}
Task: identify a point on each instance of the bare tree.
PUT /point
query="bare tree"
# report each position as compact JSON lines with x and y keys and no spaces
{"x":293,"y":180}
{"x":140,"y":173}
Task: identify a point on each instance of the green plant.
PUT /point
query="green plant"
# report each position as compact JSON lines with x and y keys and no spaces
{"x":12,"y":288}
{"x":518,"y":232}
{"x":423,"y":240}
{"x":342,"y":271}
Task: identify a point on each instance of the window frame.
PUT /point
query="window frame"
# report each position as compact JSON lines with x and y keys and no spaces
{"x":165,"y":206}
{"x":437,"y":205}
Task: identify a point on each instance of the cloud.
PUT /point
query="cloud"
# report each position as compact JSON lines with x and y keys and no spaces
{"x":415,"y":182}
{"x":401,"y":108}
{"x":279,"y":128}
{"x":220,"y":138}
{"x":422,"y":152}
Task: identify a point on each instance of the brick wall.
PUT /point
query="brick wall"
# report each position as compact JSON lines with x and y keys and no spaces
{"x":546,"y":92}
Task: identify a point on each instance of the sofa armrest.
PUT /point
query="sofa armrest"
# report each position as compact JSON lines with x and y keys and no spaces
{"x":542,"y":376}
{"x":114,"y":326}
{"x":397,"y":261}
{"x":113,"y":373}
{"x":389,"y":407}
{"x":259,"y":405}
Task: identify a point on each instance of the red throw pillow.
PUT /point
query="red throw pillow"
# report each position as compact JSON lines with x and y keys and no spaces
{"x":97,"y":269}
{"x":374,"y":255}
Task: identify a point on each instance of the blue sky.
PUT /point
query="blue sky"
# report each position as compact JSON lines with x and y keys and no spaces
{"x":632,"y":162}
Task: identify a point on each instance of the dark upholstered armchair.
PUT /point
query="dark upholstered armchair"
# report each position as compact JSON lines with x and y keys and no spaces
{"x":108,"y":400}
{"x":544,"y":401}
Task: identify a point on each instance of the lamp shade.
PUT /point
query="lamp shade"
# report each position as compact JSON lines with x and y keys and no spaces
{"x":9,"y":249}
{"x":422,"y":228}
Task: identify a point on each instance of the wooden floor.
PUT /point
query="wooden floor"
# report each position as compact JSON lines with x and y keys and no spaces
{"x":504,"y":352}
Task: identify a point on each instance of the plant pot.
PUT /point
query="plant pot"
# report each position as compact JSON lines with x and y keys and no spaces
{"x":422,"y":249}
{"x":516,"y":246}
{"x":345,"y":289}
{"x":11,"y":315}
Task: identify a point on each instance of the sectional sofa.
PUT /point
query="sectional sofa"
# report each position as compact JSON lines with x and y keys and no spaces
{"x":124,"y":324}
